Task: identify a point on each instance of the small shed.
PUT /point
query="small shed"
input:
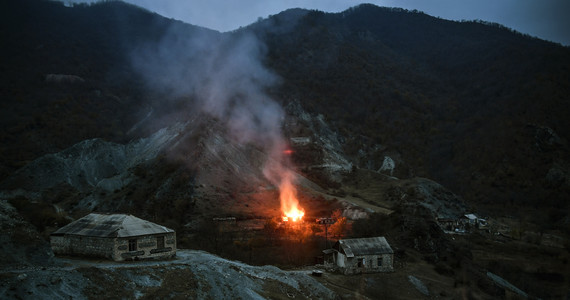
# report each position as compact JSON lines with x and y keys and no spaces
{"x":470,"y":219}
{"x":363,"y":255}
{"x":115,"y":236}
{"x":473,"y":220}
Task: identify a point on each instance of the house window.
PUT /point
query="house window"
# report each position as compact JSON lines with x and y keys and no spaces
{"x":133,"y":245}
{"x":160,"y":242}
{"x":361,"y":262}
{"x":379,"y":261}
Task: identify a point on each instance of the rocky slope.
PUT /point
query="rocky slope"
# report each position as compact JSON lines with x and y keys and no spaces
{"x":392,"y":84}
{"x":384,"y":110}
{"x":22,"y":244}
{"x":192,"y":274}
{"x":198,"y":161}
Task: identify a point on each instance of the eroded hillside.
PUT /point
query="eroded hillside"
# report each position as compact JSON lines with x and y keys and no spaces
{"x":388,"y":119}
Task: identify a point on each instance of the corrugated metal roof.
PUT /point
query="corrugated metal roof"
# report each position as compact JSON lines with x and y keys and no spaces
{"x":364,"y":246}
{"x":111,"y":225}
{"x":471,"y":216}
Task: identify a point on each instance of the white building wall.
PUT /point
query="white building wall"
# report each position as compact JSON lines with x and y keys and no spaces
{"x":340,"y":260}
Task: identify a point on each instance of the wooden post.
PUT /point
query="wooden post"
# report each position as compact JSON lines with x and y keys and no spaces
{"x":326,"y":222}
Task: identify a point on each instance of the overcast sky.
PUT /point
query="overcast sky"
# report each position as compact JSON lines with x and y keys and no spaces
{"x":546,"y":19}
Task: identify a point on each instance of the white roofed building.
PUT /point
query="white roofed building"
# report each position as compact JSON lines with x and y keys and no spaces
{"x":115,"y":236}
{"x":473,"y":220}
{"x":363,"y":255}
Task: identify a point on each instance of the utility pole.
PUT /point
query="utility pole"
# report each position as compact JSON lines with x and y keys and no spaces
{"x":326,"y":222}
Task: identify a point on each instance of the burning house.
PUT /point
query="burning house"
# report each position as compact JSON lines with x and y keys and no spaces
{"x":362,"y":255}
{"x":115,"y":236}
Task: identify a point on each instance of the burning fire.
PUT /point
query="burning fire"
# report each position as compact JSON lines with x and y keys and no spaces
{"x":289,"y":202}
{"x":278,"y":173}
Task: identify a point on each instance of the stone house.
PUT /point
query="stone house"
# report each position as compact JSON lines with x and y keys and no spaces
{"x":362,"y":255}
{"x":114,"y":236}
{"x":461,"y":225}
{"x":472,"y":221}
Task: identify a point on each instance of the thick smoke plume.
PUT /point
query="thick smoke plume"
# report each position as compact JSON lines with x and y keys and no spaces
{"x":225,"y":76}
{"x":222,"y":73}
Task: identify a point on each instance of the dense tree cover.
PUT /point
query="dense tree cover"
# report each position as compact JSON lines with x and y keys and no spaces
{"x":475,"y":106}
{"x":93,"y":42}
{"x":462,"y":102}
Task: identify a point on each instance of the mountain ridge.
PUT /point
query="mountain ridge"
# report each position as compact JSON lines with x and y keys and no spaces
{"x":390,"y":118}
{"x":426,"y":98}
{"x":387,"y":89}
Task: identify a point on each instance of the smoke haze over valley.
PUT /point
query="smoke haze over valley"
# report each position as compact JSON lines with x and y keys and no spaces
{"x":392,"y":122}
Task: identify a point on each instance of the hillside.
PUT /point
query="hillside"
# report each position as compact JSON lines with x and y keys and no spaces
{"x":193,"y":274}
{"x":475,"y":106}
{"x":42,"y":110}
{"x":386,"y":118}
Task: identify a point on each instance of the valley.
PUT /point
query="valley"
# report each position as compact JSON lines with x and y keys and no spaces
{"x":449,"y":139}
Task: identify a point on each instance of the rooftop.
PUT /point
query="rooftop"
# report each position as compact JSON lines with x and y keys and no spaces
{"x":111,"y":225}
{"x":363,"y":246}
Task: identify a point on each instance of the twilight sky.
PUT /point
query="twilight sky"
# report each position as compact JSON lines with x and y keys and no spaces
{"x":546,"y":19}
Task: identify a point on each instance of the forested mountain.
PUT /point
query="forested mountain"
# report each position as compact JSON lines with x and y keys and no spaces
{"x":392,"y":118}
{"x":473,"y":105}
{"x":476,"y":106}
{"x":42,"y":114}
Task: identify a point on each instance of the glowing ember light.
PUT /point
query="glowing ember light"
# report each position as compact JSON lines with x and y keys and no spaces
{"x":289,"y":202}
{"x":288,"y":152}
{"x":294,"y":216}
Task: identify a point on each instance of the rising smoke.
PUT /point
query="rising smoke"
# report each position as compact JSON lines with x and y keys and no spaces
{"x":225,"y":77}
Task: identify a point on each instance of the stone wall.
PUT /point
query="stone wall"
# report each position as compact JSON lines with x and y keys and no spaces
{"x":367,"y":264}
{"x":147,"y":247}
{"x":82,"y":246}
{"x":59,"y":244}
{"x":115,"y":248}
{"x":387,"y":263}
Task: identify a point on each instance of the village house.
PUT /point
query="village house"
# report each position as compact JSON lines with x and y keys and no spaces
{"x":115,"y":236}
{"x":461,"y":225}
{"x":472,"y":221}
{"x":362,"y":255}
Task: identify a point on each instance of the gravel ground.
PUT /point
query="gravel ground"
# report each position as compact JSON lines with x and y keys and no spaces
{"x":192,"y":274}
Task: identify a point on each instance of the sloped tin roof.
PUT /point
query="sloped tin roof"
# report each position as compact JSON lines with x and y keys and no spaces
{"x":111,"y":225}
{"x":471,"y":216}
{"x":364,"y":246}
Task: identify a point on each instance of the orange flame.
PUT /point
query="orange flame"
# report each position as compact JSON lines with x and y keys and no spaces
{"x":289,"y":202}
